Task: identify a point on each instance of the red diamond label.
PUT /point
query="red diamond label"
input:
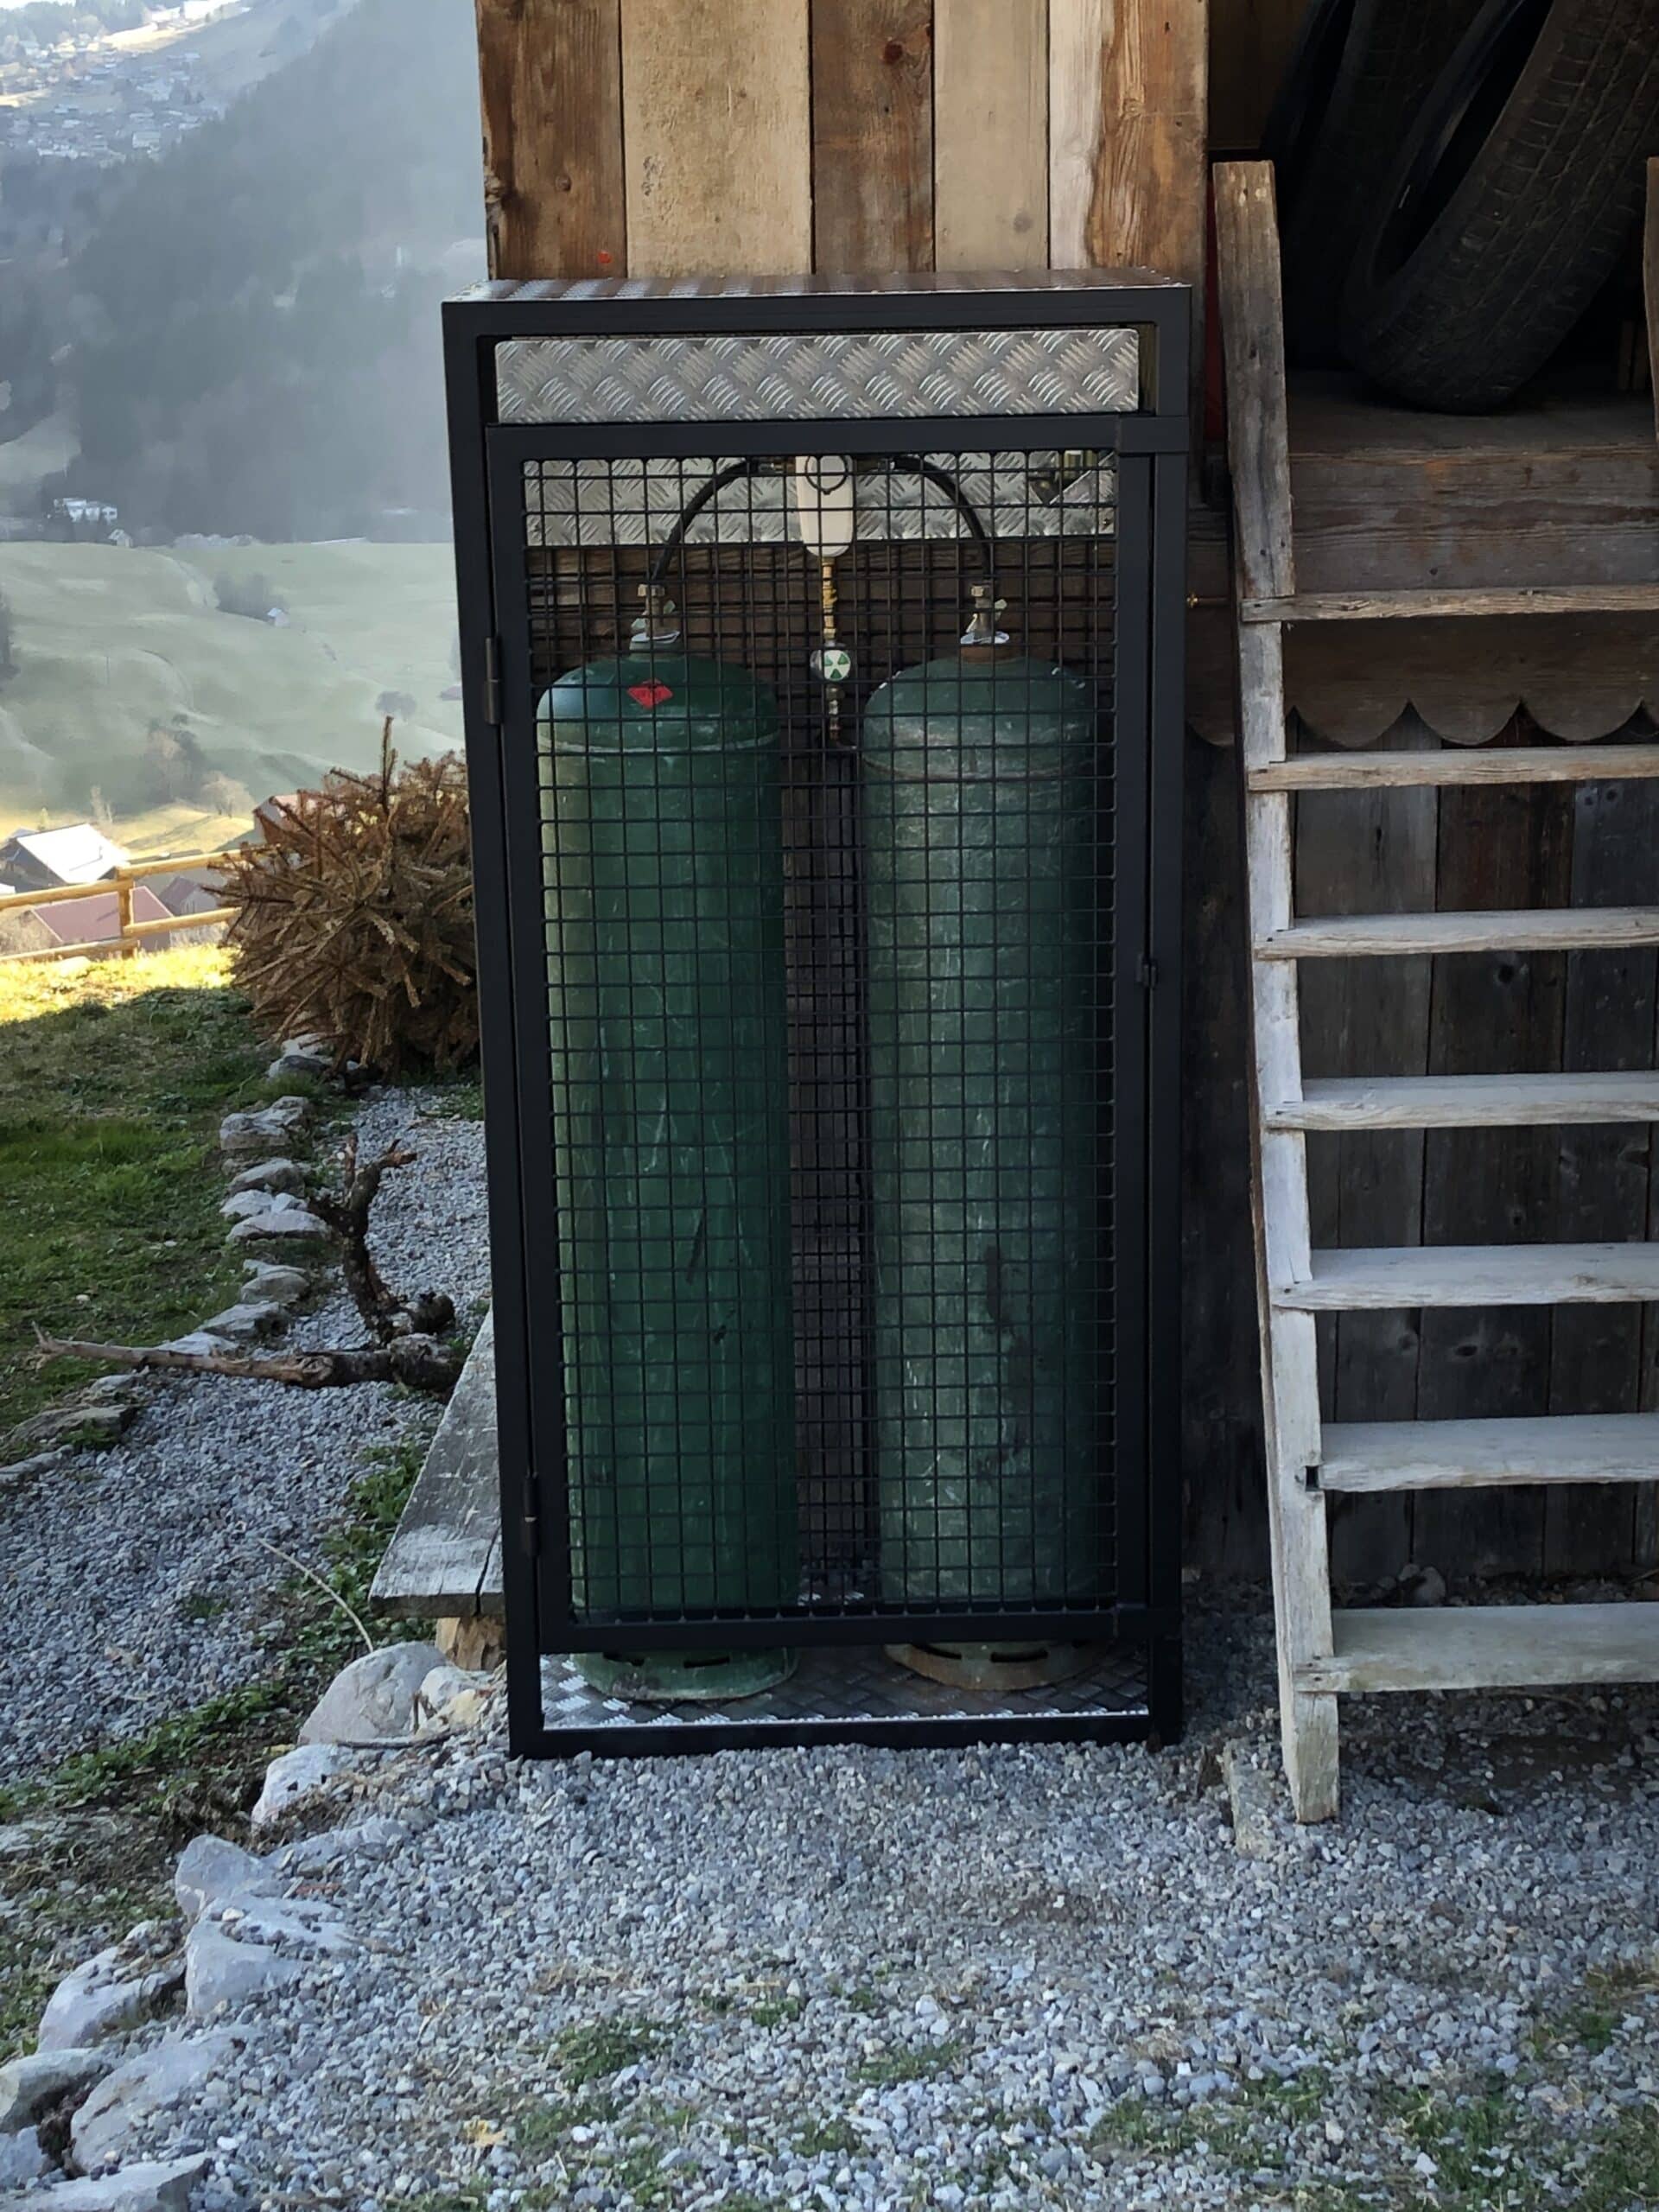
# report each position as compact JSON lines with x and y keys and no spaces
{"x":650,"y":695}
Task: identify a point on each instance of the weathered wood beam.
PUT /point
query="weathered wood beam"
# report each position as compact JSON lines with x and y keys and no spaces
{"x":716,"y":136}
{"x":990,"y":162}
{"x":1258,"y":422}
{"x":873,"y":134}
{"x":1127,"y":92}
{"x":550,"y":76}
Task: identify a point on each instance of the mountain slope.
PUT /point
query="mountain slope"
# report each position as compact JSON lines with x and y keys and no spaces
{"x":259,"y":345}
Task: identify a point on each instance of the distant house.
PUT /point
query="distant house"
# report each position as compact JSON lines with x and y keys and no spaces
{"x":94,"y":921}
{"x":48,"y":860}
{"x":85,"y":518}
{"x":268,"y":814}
{"x":184,"y":894}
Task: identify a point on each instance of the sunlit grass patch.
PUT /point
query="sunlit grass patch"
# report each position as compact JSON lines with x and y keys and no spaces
{"x":113,"y":1079}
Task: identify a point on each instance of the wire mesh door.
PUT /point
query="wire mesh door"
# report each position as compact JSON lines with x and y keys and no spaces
{"x":826,"y":814}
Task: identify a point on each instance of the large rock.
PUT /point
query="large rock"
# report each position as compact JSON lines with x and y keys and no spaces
{"x":201,"y":1343}
{"x":373,"y":1697}
{"x":450,"y":1698}
{"x":30,"y":2087}
{"x":30,"y":1469}
{"x":297,"y":1923}
{"x":262,"y":1130}
{"x":264,"y":1282}
{"x":221,"y":1972}
{"x":126,"y":2101}
{"x":248,"y":1205}
{"x":211,"y":1872}
{"x":151,"y":2187}
{"x":368,"y":1840}
{"x":82,"y":1422}
{"x":279,"y":1227}
{"x":301,"y":1056}
{"x":296,"y":1779}
{"x":122,"y":1986}
{"x":22,"y":2159}
{"x":242,"y":1323}
{"x":277,"y":1174}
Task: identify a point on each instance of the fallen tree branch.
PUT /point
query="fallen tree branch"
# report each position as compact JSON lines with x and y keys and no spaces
{"x":410,"y":1346}
{"x":386,"y":1316}
{"x":422,"y":1362}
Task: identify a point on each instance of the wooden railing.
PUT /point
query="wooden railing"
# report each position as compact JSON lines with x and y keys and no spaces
{"x":132,"y":934}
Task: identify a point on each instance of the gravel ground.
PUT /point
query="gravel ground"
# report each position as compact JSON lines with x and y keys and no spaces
{"x":1004,"y":1978}
{"x":138,"y":1569}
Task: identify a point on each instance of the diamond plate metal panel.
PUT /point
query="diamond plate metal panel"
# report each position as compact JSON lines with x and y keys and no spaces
{"x":1037,"y":494}
{"x":855,"y":1684}
{"x":836,"y":375}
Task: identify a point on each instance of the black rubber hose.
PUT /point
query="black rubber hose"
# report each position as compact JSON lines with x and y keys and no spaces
{"x":910,"y":463}
{"x":693,"y":507}
{"x":914,"y":464}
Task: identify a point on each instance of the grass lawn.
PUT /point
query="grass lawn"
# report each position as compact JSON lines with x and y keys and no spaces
{"x":113,"y":1080}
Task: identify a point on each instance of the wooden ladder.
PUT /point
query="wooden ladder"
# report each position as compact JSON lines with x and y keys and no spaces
{"x":1322,"y":1652}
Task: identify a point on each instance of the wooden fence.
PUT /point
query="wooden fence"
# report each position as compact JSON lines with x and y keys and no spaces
{"x":133,"y":934}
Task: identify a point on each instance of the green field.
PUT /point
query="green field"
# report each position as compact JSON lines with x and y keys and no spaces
{"x":113,"y":643}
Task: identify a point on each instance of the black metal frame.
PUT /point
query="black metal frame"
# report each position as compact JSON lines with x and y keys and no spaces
{"x":488,"y":459}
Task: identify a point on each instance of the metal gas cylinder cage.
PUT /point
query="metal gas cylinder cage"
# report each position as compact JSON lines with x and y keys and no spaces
{"x":822,"y":647}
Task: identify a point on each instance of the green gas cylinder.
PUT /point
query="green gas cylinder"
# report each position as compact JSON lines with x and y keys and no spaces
{"x":981,"y":862}
{"x":663,"y":864}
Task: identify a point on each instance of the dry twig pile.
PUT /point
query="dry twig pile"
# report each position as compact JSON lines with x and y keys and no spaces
{"x":355,"y":915}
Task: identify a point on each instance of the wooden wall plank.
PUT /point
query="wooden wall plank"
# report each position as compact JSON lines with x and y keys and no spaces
{"x":550,"y":84}
{"x":872,"y":134}
{"x":716,"y":124}
{"x":1365,"y":852}
{"x":1493,"y":1014}
{"x":1127,"y":89}
{"x":990,"y":134}
{"x":1650,"y":281}
{"x":1224,"y":1486}
{"x":1612,"y":998}
{"x":1250,"y":43}
{"x":1077,"y":45}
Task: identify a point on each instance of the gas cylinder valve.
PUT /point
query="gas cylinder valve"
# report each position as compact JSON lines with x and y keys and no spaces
{"x":658,"y":622}
{"x":983,"y":628}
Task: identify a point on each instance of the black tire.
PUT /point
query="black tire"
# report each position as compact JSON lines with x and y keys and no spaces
{"x":1514,"y":194}
{"x":1358,"y":71}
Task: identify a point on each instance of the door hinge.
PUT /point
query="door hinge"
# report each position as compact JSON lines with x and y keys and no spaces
{"x":529,"y":1524}
{"x":493,"y":682}
{"x":1147,"y":974}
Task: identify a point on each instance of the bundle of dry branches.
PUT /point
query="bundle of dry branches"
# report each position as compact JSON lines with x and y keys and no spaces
{"x":355,"y":915}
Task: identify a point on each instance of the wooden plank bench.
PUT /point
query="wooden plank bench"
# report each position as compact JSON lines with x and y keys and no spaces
{"x":444,"y":1559}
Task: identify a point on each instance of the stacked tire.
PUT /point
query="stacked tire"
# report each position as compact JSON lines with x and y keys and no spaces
{"x":1487,"y":204}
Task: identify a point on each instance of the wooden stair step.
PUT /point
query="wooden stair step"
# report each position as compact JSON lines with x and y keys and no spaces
{"x":1468,"y":1101}
{"x":1458,"y":602}
{"x":1487,"y":1647}
{"x":1547,"y":929}
{"x":1394,"y":1276}
{"x":1496,"y":763}
{"x":1401,"y":1455}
